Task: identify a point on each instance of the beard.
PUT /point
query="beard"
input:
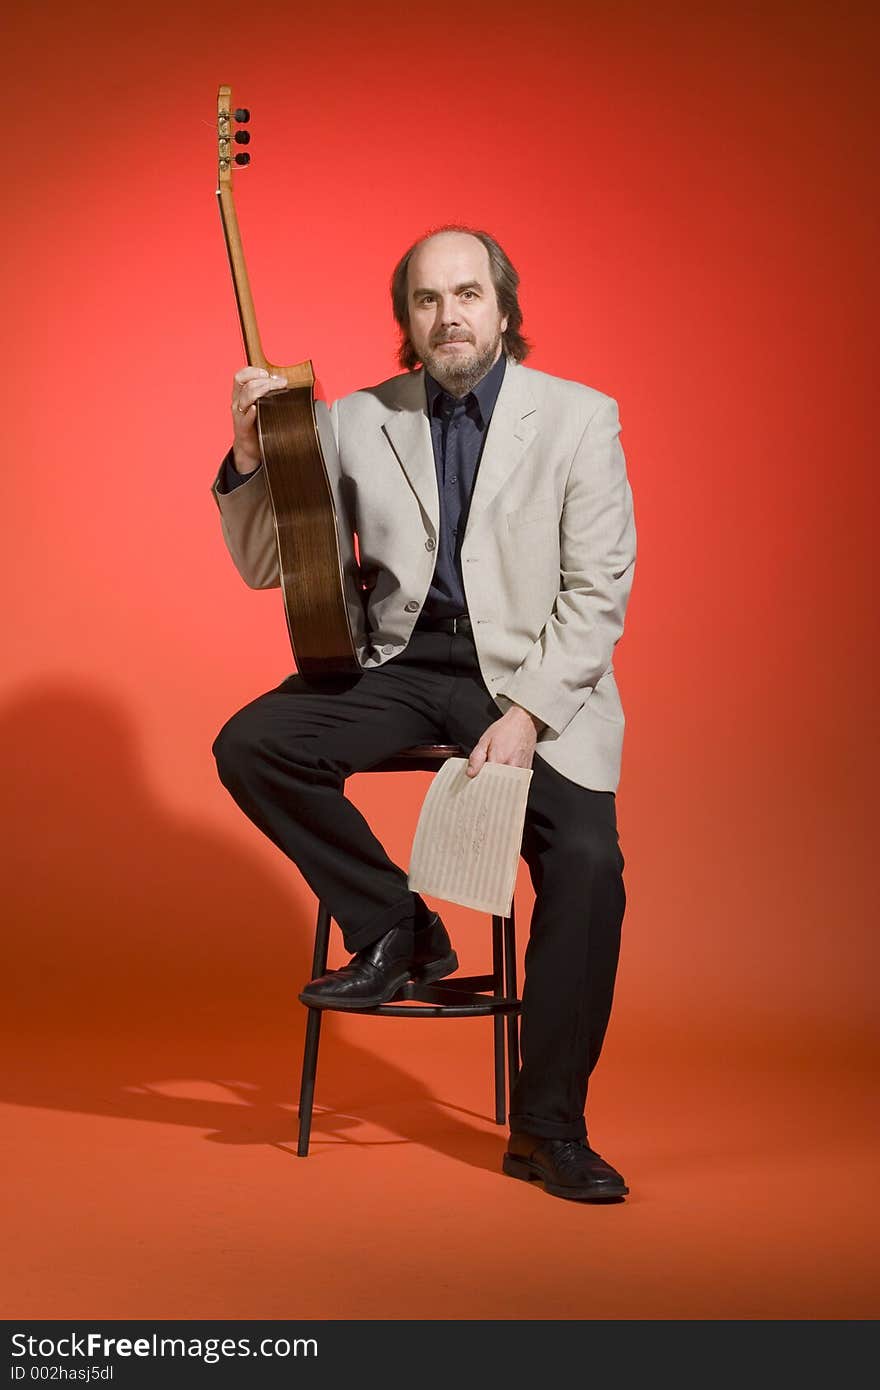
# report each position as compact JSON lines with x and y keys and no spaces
{"x":459,"y":373}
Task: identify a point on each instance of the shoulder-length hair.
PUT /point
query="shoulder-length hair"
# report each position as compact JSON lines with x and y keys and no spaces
{"x":504,"y":278}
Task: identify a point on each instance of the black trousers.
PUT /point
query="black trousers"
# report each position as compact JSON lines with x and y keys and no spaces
{"x":285,"y":758}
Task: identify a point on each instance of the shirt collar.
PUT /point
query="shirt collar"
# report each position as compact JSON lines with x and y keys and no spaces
{"x":484,"y":394}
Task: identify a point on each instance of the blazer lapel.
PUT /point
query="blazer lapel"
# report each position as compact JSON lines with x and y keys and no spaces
{"x":511,"y":430}
{"x":409,"y":433}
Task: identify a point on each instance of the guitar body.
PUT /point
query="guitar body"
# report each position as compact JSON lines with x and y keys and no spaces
{"x":316,"y":557}
{"x":320,"y":582}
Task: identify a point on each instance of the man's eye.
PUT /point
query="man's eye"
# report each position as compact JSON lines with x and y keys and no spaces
{"x":469,"y":293}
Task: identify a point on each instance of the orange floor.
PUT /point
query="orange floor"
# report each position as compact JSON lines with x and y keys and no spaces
{"x":160,"y":1181}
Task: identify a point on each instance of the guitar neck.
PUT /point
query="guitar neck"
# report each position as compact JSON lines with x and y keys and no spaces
{"x":241,"y":283}
{"x":302,"y":373}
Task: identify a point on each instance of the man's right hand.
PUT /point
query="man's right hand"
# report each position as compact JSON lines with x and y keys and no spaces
{"x":247,"y":387}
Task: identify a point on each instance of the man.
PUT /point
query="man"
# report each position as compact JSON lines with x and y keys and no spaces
{"x":494,"y":515}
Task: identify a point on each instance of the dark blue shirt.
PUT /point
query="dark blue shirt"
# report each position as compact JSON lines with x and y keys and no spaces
{"x":458,"y":434}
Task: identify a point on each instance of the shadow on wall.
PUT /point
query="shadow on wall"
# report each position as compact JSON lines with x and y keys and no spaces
{"x":141,"y":948}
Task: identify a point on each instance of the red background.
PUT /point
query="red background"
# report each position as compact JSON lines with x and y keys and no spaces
{"x":686,"y":196}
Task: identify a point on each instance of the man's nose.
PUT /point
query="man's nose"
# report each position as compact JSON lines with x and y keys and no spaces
{"x":449,"y":312}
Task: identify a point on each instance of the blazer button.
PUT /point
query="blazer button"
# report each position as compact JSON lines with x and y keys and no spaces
{"x":389,"y":651}
{"x":412,"y":607}
{"x":430,"y":545}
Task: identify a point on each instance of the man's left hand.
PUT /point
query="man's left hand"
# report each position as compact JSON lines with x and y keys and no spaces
{"x":511,"y":739}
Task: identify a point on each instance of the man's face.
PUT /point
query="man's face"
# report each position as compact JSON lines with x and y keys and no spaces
{"x":454,"y":322}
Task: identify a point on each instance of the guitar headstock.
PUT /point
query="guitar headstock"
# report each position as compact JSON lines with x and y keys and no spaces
{"x":226,"y":137}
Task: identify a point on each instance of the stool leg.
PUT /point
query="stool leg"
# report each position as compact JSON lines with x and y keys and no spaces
{"x":510,"y":990}
{"x":313,"y":1036}
{"x":497,"y":1019}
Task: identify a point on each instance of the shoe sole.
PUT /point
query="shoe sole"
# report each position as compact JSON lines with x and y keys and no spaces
{"x":353,"y":1005}
{"x":437,"y":970}
{"x":521,"y":1168}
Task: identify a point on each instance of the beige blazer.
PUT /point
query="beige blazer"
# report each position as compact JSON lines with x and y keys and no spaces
{"x":547,"y":556}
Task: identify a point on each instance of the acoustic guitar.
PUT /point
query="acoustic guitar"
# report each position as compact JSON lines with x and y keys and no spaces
{"x":317,"y":559}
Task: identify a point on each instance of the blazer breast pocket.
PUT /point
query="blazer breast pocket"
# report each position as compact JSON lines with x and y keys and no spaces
{"x":544,"y":510}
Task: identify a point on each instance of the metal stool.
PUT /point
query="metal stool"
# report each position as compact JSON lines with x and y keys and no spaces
{"x":460,"y":997}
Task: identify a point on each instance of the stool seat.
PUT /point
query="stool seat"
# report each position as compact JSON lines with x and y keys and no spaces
{"x":422,"y":757}
{"x":462,"y":996}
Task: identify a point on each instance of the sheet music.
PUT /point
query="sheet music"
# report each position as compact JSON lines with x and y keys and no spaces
{"x":468,"y":835}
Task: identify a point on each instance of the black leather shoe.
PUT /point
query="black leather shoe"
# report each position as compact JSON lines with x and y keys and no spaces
{"x":434,"y":956}
{"x":372,"y":976}
{"x":567,"y":1168}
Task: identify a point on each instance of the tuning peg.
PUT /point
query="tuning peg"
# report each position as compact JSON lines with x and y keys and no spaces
{"x":242,"y":115}
{"x":242,"y":137}
{"x":242,"y":159}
